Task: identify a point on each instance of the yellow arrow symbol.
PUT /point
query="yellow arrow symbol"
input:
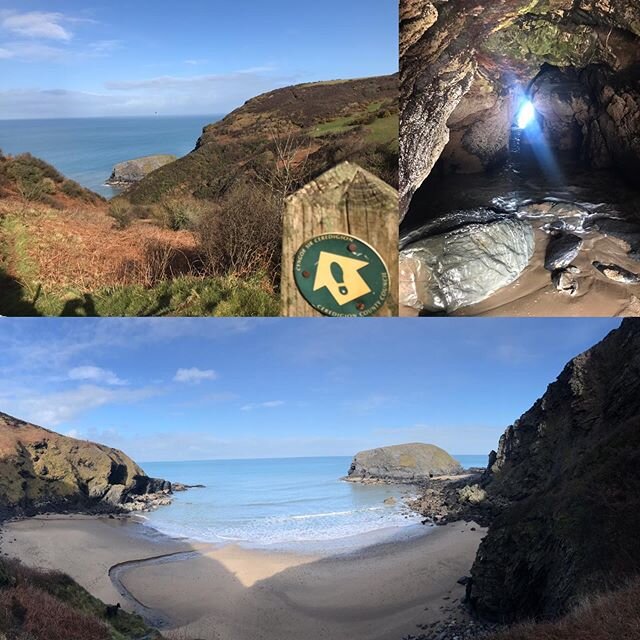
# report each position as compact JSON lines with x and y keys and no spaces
{"x":340,"y":275}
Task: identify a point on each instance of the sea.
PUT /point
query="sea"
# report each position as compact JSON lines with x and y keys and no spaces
{"x":86,"y":149}
{"x":293,"y":504}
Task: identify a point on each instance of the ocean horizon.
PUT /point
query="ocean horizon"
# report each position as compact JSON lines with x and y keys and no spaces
{"x":297,"y":504}
{"x":87,"y":149}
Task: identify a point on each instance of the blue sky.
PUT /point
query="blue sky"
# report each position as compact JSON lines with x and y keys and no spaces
{"x":61,"y":58}
{"x":180,"y":389}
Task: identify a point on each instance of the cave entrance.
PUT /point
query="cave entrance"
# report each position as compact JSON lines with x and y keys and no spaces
{"x":530,"y":162}
{"x":526,"y":114}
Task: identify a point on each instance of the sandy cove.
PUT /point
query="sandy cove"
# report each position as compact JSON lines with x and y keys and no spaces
{"x":232,"y":593}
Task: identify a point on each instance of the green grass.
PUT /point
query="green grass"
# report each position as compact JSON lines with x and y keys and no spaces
{"x":182,"y":296}
{"x":339,"y":125}
{"x":384,"y":129}
{"x":380,"y":131}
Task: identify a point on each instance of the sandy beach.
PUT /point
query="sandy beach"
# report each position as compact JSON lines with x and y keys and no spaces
{"x":534,"y":294}
{"x":230,"y":593}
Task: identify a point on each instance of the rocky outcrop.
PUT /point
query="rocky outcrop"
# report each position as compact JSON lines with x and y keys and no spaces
{"x":445,"y":272}
{"x":564,"y":483}
{"x":127,"y":173}
{"x":480,"y":127}
{"x":43,"y":471}
{"x":403,"y":463}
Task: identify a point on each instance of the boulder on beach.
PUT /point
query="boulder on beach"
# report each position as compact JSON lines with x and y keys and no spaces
{"x":461,"y":267}
{"x":402,"y":463}
{"x":132,"y":171}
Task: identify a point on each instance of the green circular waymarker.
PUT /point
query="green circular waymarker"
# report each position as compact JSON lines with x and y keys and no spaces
{"x":341,"y":276}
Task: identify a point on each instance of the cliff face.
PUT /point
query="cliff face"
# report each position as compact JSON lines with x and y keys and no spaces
{"x":315,"y":126}
{"x":131,"y":171}
{"x":566,"y":486}
{"x":41,"y":470}
{"x":402,"y":463}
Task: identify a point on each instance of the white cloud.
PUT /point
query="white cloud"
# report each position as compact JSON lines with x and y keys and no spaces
{"x":55,"y":408}
{"x":37,"y":24}
{"x":194,"y":375}
{"x":95,"y":374}
{"x":32,"y":52}
{"x":370,"y":403}
{"x":269,"y":404}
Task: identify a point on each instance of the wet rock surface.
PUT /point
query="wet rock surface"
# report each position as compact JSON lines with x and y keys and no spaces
{"x":561,"y":251}
{"x":444,"y":272}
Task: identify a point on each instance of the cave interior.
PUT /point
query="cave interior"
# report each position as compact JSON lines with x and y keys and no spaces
{"x":470,"y":73}
{"x":578,"y":63}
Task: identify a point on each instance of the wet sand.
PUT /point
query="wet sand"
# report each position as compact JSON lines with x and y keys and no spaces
{"x":230,"y":593}
{"x":534,"y":295}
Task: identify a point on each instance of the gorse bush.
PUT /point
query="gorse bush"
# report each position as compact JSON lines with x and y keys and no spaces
{"x":182,"y":213}
{"x":121,"y":212}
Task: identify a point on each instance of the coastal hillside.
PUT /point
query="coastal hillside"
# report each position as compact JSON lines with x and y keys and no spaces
{"x":565,"y":489}
{"x":199,"y":236}
{"x":49,"y":605}
{"x":311,"y":127}
{"x":41,"y":470}
{"x":32,"y":179}
{"x":65,"y":251}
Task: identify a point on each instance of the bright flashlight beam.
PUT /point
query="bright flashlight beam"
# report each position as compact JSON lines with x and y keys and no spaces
{"x":526,"y":115}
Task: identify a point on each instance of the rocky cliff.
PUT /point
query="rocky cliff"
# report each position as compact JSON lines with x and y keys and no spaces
{"x":404,"y":463}
{"x":565,"y":485}
{"x":126,"y":173}
{"x":41,"y":470}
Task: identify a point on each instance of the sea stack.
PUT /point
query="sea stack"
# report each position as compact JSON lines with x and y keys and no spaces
{"x":127,"y":173}
{"x":41,"y":471}
{"x":402,"y":463}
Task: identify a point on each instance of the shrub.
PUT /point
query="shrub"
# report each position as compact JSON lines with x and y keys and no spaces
{"x":72,"y":189}
{"x":182,"y":213}
{"x":43,"y":617}
{"x":48,"y":186}
{"x":162,"y":261}
{"x":243,"y":236}
{"x":120,"y":211}
{"x":26,"y":159}
{"x":29,"y":180}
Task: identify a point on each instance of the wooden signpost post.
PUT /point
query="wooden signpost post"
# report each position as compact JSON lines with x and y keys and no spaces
{"x":345,"y":201}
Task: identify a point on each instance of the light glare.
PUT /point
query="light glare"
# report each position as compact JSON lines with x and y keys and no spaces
{"x":526,"y":115}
